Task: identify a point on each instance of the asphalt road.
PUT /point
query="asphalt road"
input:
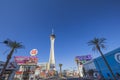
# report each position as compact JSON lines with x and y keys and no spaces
{"x":63,"y":78}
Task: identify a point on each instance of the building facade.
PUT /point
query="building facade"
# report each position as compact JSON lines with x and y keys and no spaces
{"x":89,"y":65}
{"x":27,"y":66}
{"x":113,"y":59}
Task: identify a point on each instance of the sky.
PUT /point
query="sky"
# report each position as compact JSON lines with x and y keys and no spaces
{"x":75,"y":22}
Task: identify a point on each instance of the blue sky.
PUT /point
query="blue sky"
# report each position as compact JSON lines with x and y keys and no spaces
{"x":75,"y":22}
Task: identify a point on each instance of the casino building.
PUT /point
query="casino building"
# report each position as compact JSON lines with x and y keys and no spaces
{"x":113,"y":59}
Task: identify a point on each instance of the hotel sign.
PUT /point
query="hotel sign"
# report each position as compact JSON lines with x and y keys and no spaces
{"x":33,"y":52}
{"x":117,"y":57}
{"x":25,"y":60}
{"x":85,"y":57}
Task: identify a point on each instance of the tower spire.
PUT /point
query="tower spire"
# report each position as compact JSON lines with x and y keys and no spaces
{"x":52,"y":31}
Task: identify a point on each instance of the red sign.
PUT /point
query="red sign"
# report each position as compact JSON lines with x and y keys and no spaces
{"x":19,"y":72}
{"x":33,"y":52}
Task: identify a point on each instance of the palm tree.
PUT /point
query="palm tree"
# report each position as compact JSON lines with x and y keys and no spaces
{"x":60,"y":65}
{"x":98,"y":44}
{"x":13,"y":45}
{"x":77,"y":62}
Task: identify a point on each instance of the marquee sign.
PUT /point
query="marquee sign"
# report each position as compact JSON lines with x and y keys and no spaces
{"x":25,"y":60}
{"x":117,"y":57}
{"x":85,"y":57}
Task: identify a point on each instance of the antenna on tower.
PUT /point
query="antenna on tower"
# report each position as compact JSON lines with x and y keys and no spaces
{"x":52,"y":31}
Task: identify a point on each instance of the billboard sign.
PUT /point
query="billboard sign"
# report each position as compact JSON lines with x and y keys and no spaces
{"x":24,"y":60}
{"x":33,"y":52}
{"x":84,"y":57}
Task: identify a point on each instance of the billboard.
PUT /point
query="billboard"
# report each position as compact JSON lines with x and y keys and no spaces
{"x":25,"y":60}
{"x":33,"y":52}
{"x":84,"y":58}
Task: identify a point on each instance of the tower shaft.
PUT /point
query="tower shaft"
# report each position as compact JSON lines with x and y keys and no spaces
{"x":52,"y":56}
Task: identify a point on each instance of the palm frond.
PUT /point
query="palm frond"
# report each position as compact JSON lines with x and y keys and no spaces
{"x":13,"y":44}
{"x":91,"y":42}
{"x":97,"y":42}
{"x":102,"y":40}
{"x":94,"y":48}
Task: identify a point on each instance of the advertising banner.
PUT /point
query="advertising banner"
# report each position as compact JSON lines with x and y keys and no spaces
{"x":84,"y":57}
{"x":24,"y":60}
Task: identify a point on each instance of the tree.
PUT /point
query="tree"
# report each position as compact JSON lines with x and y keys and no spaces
{"x":13,"y":45}
{"x":98,"y":44}
{"x":60,"y":65}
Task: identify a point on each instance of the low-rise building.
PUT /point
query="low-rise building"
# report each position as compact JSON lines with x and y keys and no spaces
{"x":27,"y":66}
{"x":42,"y":69}
{"x":90,"y":69}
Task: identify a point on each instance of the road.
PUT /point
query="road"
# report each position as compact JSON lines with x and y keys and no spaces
{"x":68,"y":78}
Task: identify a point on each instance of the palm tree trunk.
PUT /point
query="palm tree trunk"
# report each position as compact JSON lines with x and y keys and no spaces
{"x":106,"y":63}
{"x":8,"y":59}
